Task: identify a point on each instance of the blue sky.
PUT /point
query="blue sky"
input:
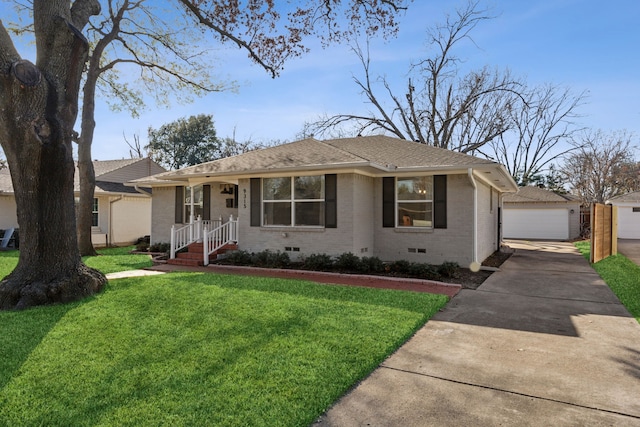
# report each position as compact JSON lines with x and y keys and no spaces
{"x":587,"y":45}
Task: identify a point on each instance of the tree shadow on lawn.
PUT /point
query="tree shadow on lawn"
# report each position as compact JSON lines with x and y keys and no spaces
{"x":23,"y":331}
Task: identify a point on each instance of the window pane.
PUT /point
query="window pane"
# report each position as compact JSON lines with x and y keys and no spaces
{"x":415,"y":214}
{"x":94,"y":219}
{"x":197,"y":202}
{"x":418,"y":188}
{"x":277,"y":213}
{"x":309,"y":187}
{"x":310,"y":213}
{"x":276,"y":188}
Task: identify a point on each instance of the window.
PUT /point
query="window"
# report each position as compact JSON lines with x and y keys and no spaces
{"x":94,"y":213}
{"x":635,"y":210}
{"x":414,"y":201}
{"x":293,"y":201}
{"x":197,"y":202}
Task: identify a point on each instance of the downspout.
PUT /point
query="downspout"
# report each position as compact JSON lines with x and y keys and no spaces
{"x":474,"y":251}
{"x":110,"y":224}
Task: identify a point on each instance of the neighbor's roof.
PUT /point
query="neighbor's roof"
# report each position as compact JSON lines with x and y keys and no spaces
{"x":531,"y":194}
{"x":101,"y":167}
{"x":633,"y":197}
{"x":376,"y":155}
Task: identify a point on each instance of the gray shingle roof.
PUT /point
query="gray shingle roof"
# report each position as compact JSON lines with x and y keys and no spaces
{"x":375,"y":155}
{"x":101,"y":167}
{"x":530,"y":194}
{"x":376,"y":151}
{"x":633,"y":197}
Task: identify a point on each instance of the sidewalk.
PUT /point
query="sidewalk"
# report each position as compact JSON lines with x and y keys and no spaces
{"x":542,"y":342}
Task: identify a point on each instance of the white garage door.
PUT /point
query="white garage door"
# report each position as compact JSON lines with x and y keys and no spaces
{"x":628,"y":222}
{"x":552,"y":224}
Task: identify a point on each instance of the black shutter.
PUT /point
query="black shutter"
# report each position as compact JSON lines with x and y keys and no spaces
{"x":235,"y":196}
{"x":330,"y":201}
{"x":206,"y":202}
{"x":254,"y":188}
{"x":440,"y":201}
{"x":179,"y":208}
{"x":388,"y":201}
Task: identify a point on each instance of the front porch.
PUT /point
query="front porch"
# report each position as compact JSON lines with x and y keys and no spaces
{"x":203,"y":240}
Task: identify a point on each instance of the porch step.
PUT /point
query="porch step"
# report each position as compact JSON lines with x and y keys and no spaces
{"x":186,"y":262}
{"x":194,"y":256}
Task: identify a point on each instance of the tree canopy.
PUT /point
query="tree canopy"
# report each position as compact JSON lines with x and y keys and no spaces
{"x":184,"y":142}
{"x":40,"y":101}
{"x":603,"y":167}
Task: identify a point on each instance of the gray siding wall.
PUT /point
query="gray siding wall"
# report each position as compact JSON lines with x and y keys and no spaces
{"x":487,"y":221}
{"x":438,"y":245}
{"x":354,"y":210}
{"x":162,"y":213}
{"x":141,"y":169}
{"x":219,"y":203}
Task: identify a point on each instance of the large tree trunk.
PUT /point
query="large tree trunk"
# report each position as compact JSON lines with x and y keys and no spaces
{"x":38,"y":105}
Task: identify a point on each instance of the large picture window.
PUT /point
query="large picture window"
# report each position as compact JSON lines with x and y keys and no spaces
{"x":293,"y":201}
{"x":414,"y":201}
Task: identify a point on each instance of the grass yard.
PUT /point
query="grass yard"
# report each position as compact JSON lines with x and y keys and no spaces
{"x":621,"y":274}
{"x":109,"y":260}
{"x":199,"y":349}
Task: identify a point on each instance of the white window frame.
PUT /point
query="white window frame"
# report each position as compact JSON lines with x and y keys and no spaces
{"x":95,"y":213}
{"x":292,"y":201}
{"x":428,"y":201}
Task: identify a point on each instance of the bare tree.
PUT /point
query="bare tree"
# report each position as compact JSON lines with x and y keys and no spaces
{"x":40,"y":105}
{"x":603,"y":167}
{"x":136,"y":151}
{"x":542,"y":126}
{"x":437,"y":107}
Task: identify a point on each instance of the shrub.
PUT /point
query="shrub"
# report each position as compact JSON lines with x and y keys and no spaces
{"x":238,"y":258}
{"x":142,"y":246}
{"x":401,"y":266}
{"x":448,"y":268}
{"x":160,"y":247}
{"x":269,"y":259}
{"x":422,"y":271}
{"x":371,"y":265}
{"x":347,"y":262}
{"x":318,"y":262}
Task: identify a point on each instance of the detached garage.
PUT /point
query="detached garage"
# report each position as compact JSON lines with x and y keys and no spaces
{"x":539,"y":214}
{"x":628,"y":215}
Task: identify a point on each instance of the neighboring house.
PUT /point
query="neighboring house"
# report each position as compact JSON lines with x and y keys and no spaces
{"x":371,"y":196}
{"x":628,"y":214}
{"x":121,"y":214}
{"x":536,"y":213}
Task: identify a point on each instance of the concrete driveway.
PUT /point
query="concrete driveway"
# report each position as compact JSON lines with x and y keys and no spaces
{"x":630,"y":248}
{"x":542,"y":342}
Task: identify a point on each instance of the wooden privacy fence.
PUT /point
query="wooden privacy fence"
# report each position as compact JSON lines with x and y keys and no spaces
{"x":604,"y":231}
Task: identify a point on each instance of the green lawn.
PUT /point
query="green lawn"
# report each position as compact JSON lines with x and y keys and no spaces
{"x":109,"y":260}
{"x":622,"y":276}
{"x":199,"y":349}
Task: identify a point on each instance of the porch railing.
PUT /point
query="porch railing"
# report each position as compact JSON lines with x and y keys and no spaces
{"x":218,"y":237}
{"x":182,"y":237}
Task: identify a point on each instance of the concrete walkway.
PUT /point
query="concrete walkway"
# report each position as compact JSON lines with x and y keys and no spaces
{"x":542,"y":342}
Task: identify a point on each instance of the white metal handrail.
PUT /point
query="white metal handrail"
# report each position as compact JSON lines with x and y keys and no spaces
{"x":190,"y":233}
{"x":218,"y":237}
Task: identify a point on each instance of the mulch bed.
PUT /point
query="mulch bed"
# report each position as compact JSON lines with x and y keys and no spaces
{"x":463,"y":278}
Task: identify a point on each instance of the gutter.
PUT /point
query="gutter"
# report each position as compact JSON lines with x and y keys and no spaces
{"x":475,"y":265}
{"x":141,"y":191}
